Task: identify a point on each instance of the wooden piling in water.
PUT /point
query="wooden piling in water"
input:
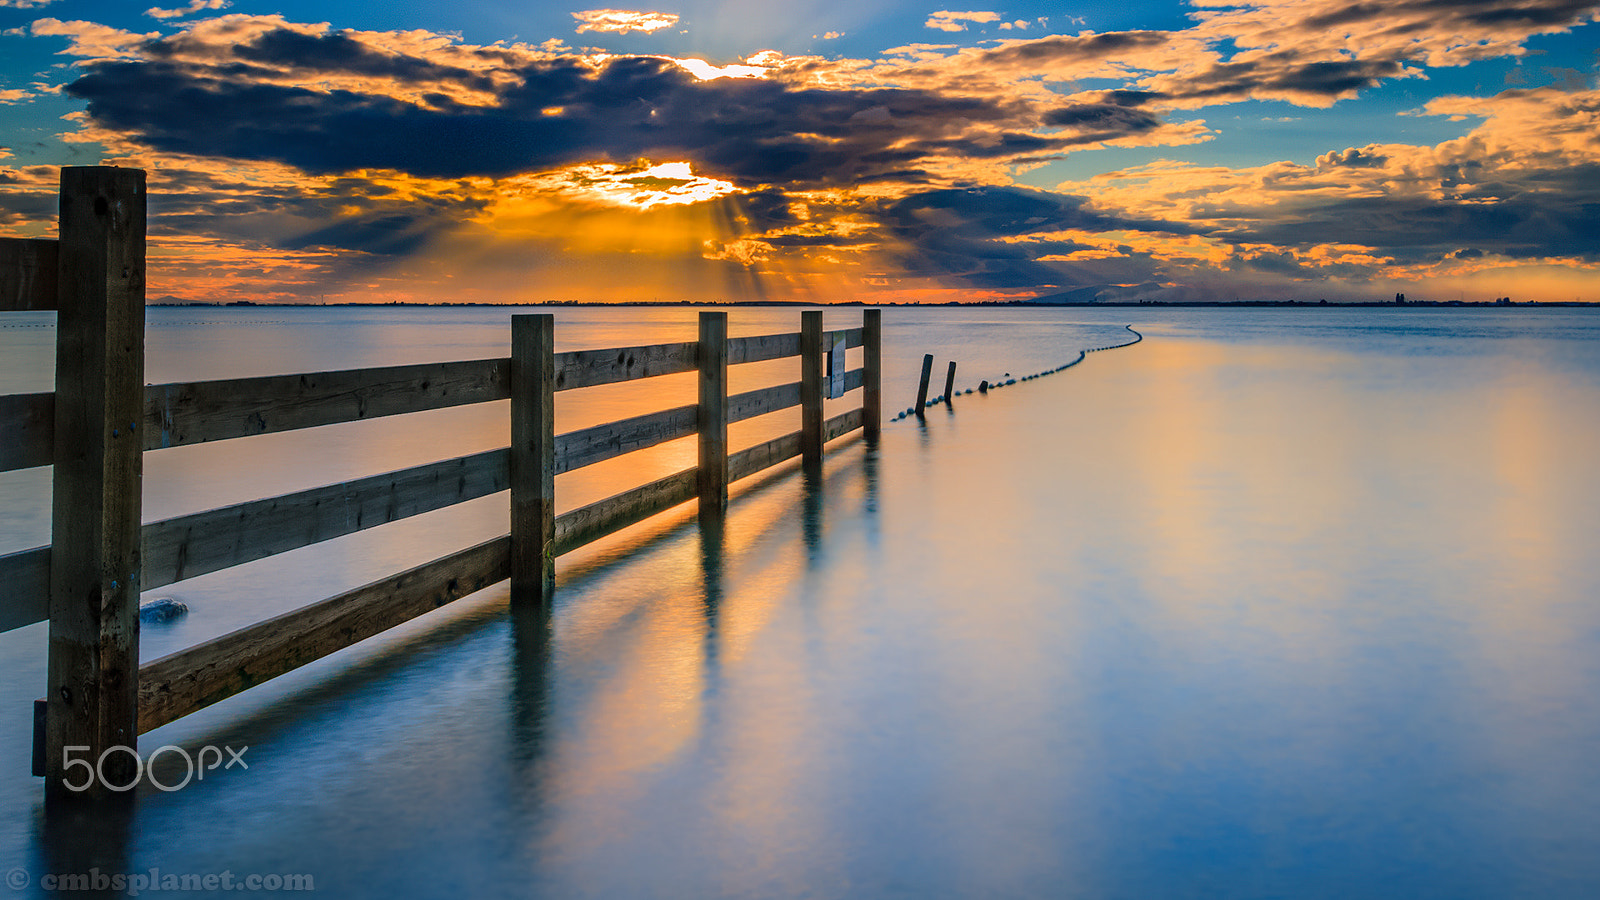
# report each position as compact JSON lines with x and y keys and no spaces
{"x":811,"y":393}
{"x":949,"y":382}
{"x":872,"y":373}
{"x":532,"y":463}
{"x":922,"y":388}
{"x":99,"y":404}
{"x":712,"y":419}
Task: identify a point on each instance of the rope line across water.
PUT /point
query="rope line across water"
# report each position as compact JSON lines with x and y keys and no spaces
{"x":1082,"y":354}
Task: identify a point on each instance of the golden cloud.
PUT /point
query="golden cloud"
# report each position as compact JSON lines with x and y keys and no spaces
{"x":622,"y":21}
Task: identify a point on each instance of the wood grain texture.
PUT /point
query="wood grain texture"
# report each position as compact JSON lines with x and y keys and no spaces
{"x":577,"y":449}
{"x":588,"y":368}
{"x":842,"y":424}
{"x":193,"y":545}
{"x":811,"y":387}
{"x":532,"y":459}
{"x":24,"y":588}
{"x":27,"y":430}
{"x":28,"y":274}
{"x":761,"y":401}
{"x":196,"y":412}
{"x":590,"y":523}
{"x":853,"y":337}
{"x":762,"y":347}
{"x":751,"y":460}
{"x":922,"y":385}
{"x":711,"y":425}
{"x":872,"y":372}
{"x":96,"y":479}
{"x":191,"y":679}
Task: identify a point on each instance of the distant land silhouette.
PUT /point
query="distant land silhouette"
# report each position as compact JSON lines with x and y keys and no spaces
{"x":1077,"y":297}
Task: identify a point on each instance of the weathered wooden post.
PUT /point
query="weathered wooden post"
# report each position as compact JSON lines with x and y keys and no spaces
{"x":811,"y":388}
{"x":949,"y":382}
{"x":872,"y":373}
{"x":712,"y":421}
{"x":92,"y":703}
{"x":533,"y":452}
{"x":922,"y":388}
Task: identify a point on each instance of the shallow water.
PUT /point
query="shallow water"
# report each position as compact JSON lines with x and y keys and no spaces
{"x":1274,"y":603}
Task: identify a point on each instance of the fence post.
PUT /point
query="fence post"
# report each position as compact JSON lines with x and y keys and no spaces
{"x":99,"y":404}
{"x":922,"y":388}
{"x":811,"y":388}
{"x":533,"y":447}
{"x":872,"y":373}
{"x":712,"y":420}
{"x":949,"y":382}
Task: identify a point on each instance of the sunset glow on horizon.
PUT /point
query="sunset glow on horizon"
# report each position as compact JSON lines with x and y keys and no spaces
{"x":877,"y":152}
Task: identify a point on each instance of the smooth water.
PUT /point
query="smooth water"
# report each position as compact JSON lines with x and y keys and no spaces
{"x":1276,"y":603}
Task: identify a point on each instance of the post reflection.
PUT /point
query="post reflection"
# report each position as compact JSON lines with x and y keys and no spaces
{"x":530,"y":677}
{"x":811,"y":503}
{"x":869,"y":499}
{"x":713,"y":546}
{"x":79,"y":835}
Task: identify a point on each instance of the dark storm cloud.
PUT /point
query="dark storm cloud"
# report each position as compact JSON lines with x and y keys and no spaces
{"x":1525,"y":226}
{"x":1103,"y":117}
{"x":22,"y":207}
{"x":1353,"y":158}
{"x":1448,"y":13}
{"x":543,"y":114}
{"x":946,"y":233}
{"x":1073,"y":48}
{"x":1284,"y":74}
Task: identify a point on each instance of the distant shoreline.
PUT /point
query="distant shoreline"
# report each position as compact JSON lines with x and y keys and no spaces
{"x":1009,"y":304}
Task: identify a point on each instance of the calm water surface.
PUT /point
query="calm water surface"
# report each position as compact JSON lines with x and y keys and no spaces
{"x":1277,"y":603}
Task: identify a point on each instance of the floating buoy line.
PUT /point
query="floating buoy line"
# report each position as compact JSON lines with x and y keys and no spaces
{"x":984,"y":387}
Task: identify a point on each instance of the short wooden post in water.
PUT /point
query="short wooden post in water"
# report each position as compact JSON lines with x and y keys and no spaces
{"x":811,"y":388}
{"x":949,"y":382}
{"x":712,"y":420}
{"x":94,"y":557}
{"x":922,"y":388}
{"x":533,"y":457}
{"x":872,"y":373}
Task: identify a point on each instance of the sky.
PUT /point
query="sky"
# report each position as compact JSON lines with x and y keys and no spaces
{"x":802,"y":150}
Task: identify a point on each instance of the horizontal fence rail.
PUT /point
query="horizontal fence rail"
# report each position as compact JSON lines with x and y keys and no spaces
{"x":25,"y":598}
{"x":192,"y":413}
{"x":180,"y":683}
{"x":28,"y":423}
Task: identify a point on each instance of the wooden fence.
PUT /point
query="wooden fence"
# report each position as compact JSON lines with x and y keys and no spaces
{"x":101,"y":418}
